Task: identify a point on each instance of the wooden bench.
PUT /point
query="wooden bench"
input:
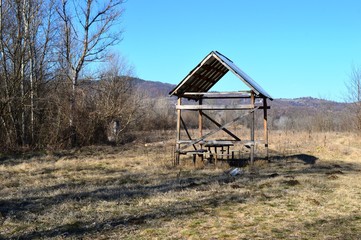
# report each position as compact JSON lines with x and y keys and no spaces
{"x":194,"y":153}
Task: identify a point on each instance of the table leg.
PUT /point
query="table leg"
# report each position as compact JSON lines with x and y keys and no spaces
{"x":215,"y":154}
{"x":215,"y":160}
{"x":227,"y":153}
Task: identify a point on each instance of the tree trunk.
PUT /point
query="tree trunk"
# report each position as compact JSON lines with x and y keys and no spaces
{"x":73,"y":133}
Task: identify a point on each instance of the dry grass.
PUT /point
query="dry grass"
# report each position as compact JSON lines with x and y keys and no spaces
{"x":309,"y":190}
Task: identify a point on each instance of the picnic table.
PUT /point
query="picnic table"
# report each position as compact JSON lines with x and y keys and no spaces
{"x":221,"y":145}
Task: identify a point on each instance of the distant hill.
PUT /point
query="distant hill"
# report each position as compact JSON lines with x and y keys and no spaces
{"x":297,"y":113}
{"x":308,"y":104}
{"x":153,"y":89}
{"x":160,"y":89}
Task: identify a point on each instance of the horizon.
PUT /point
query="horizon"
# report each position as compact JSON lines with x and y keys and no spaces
{"x":281,"y":98}
{"x":291,"y":49}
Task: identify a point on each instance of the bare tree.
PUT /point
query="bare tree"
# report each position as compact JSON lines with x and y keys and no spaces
{"x":40,"y":63}
{"x":87,"y":34}
{"x":14,"y":66}
{"x":38,"y":16}
{"x":118,"y":102}
{"x":354,"y":96}
{"x":25,"y":35}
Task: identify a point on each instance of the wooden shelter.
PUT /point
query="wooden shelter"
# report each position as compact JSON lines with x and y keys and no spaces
{"x":195,"y":88}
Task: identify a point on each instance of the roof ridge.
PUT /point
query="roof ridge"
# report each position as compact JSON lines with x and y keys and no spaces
{"x":209,"y":71}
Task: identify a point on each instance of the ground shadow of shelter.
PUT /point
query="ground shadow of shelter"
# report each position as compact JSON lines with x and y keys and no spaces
{"x":107,"y":191}
{"x":307,"y":159}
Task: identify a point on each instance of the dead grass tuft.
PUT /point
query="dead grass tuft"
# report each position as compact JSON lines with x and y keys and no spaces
{"x":308,"y":190}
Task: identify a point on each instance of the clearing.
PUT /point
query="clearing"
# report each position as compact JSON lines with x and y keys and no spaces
{"x":310,"y":190}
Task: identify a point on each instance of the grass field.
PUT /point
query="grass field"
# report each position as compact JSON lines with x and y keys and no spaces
{"x":309,"y":190}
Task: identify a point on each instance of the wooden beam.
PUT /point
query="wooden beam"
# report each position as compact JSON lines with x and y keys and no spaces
{"x":265,"y":125}
{"x":209,"y":67}
{"x":189,"y":136}
{"x":224,"y":129}
{"x":242,"y":142}
{"x":200,"y":120}
{"x":217,"y":93}
{"x":215,"y":107}
{"x":222,"y":97}
{"x":252,"y":130}
{"x":177,"y":155}
{"x":205,"y":78}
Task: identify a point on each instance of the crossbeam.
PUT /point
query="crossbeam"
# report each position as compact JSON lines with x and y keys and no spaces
{"x":217,"y":130}
{"x":224,"y":129}
{"x":185,"y":128}
{"x":215,"y":107}
{"x":217,"y":93}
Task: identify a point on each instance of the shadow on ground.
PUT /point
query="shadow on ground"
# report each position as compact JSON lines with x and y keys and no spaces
{"x":307,"y":159}
{"x":130,"y":191}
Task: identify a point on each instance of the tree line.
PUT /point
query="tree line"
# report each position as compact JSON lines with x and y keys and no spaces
{"x":55,"y":94}
{"x":46,"y":47}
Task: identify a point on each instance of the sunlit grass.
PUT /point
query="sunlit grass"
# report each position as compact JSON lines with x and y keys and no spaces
{"x":309,"y":190}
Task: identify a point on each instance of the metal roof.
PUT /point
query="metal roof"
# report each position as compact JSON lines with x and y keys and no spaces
{"x":209,"y":71}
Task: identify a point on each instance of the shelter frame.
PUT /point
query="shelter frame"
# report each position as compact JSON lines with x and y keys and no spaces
{"x":195,"y":86}
{"x":197,"y":143}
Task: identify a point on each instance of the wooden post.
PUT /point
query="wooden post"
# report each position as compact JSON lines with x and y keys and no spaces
{"x":252,"y":129}
{"x":200,"y":121}
{"x":265,"y":126}
{"x":177,"y":155}
{"x":200,"y":125}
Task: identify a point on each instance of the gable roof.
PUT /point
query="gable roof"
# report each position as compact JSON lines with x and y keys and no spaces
{"x":209,"y":71}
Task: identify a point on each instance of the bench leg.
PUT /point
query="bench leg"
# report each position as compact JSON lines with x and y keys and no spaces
{"x":194,"y":158}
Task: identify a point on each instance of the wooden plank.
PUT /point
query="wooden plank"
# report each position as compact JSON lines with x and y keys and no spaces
{"x":209,"y":67}
{"x":200,"y":120}
{"x":223,"y":97}
{"x":224,"y":129}
{"x":242,"y":142}
{"x":200,"y":151}
{"x":215,"y":107}
{"x":218,"y":143}
{"x":186,"y":80}
{"x":204,"y":78}
{"x":184,"y":141}
{"x":241,"y":93}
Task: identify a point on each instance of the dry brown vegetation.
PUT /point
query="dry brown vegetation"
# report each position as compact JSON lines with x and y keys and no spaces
{"x":309,"y":190}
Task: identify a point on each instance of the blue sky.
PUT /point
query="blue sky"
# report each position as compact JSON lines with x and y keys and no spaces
{"x":291,"y":48}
